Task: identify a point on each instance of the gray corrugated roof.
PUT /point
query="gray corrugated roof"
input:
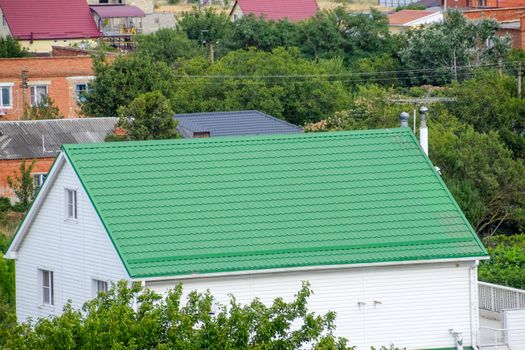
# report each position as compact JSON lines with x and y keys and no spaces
{"x":43,"y":138}
{"x":233,"y":124}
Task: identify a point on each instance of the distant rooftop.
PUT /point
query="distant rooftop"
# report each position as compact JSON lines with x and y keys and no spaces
{"x":404,"y":17}
{"x":232,"y":124}
{"x":30,"y":139}
{"x":294,"y":10}
{"x":117,"y":11}
{"x":49,"y":19}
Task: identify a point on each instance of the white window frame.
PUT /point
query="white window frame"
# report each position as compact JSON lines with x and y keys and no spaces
{"x":49,"y":290}
{"x":79,"y":96}
{"x":97,"y":283}
{"x":10,"y":87}
{"x":41,"y":179}
{"x":73,"y":205}
{"x":37,"y":98}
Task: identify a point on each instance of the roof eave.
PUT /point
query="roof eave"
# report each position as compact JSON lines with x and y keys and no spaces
{"x":304,"y":268}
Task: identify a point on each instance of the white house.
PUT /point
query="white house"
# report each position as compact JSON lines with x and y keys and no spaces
{"x":363,"y":216}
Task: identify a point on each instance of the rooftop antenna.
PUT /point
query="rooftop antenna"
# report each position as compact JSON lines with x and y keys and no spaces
{"x":418,"y":101}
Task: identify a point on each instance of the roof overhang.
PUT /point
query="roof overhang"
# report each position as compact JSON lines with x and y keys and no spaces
{"x":306,"y":268}
{"x":117,"y":11}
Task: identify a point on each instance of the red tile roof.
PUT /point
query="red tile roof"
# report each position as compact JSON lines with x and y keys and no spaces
{"x":115,"y":11}
{"x":49,"y":19}
{"x":294,"y":10}
{"x":407,"y":16}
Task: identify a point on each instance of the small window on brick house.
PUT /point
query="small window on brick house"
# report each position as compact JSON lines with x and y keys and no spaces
{"x":81,"y":90}
{"x":38,"y":180}
{"x":6,"y":93}
{"x":38,"y":92}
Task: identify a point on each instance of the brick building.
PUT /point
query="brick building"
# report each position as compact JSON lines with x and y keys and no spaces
{"x":511,"y":22}
{"x":488,"y":4}
{"x":63,"y":79}
{"x":41,"y":142}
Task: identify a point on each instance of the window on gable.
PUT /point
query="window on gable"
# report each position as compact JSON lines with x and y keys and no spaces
{"x":47,"y":287}
{"x":71,"y":204}
{"x":100,"y":286}
{"x":81,"y":90}
{"x":6,"y":93}
{"x":37,"y":92}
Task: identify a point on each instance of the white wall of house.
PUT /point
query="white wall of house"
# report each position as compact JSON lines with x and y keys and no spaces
{"x":4,"y":28}
{"x":236,"y":13}
{"x":76,"y":252}
{"x":411,"y":306}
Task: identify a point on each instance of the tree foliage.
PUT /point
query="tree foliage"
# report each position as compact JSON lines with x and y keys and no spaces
{"x":445,"y":51}
{"x":22,"y":185}
{"x":136,"y":318}
{"x":167,"y":45}
{"x":44,"y":109}
{"x":148,"y":117}
{"x":507,"y":261}
{"x":10,"y":48}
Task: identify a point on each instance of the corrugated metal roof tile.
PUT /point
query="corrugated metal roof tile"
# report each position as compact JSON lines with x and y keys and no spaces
{"x":178,"y":207}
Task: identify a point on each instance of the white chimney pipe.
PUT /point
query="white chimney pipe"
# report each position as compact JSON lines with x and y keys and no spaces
{"x":403,"y":118}
{"x":423,"y":130}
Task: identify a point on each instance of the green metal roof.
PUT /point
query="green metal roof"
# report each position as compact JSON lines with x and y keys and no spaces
{"x":178,"y":207}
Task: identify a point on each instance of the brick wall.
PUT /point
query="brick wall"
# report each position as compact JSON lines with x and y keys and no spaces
{"x":12,"y":167}
{"x":60,"y":74}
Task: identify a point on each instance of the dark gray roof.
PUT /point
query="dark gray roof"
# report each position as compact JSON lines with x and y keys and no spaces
{"x":43,"y":138}
{"x":233,"y":124}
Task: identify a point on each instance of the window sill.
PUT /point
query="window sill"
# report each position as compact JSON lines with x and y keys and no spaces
{"x":47,"y":307}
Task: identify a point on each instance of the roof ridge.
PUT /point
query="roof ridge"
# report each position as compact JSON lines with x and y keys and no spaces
{"x":238,"y":139}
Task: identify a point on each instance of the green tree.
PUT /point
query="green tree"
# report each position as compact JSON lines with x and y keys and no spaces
{"x":148,"y":117}
{"x":272,"y":82}
{"x":22,"y":185}
{"x":445,"y":51}
{"x":111,"y":322}
{"x":507,"y":261}
{"x":167,"y":45}
{"x":44,"y":109}
{"x":9,"y":48}
{"x":481,"y":173}
{"x":250,"y":31}
{"x":208,"y":27}
{"x":120,"y":81}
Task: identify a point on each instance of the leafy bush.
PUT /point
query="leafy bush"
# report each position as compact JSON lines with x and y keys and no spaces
{"x":113,"y":321}
{"x":507,"y":263}
{"x":5,"y":204}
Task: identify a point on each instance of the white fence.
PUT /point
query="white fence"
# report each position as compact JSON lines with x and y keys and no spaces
{"x":495,"y":298}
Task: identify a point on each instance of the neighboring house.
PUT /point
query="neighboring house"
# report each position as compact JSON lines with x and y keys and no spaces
{"x":40,"y":140}
{"x":293,"y":10}
{"x":40,"y":24}
{"x":489,"y":4}
{"x":362,"y":215}
{"x":406,"y":19}
{"x":511,"y":22}
{"x":147,"y":6}
{"x":211,"y":124}
{"x":24,"y":81}
{"x":119,"y":24}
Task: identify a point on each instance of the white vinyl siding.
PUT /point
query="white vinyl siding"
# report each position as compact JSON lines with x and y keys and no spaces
{"x":411,"y":306}
{"x":75,"y":253}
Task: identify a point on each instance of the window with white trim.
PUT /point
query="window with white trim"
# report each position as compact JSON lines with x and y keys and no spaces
{"x":6,"y":96}
{"x":38,"y":180}
{"x":100,"y":287}
{"x":46,"y":278}
{"x":37,"y":92}
{"x":81,"y":91}
{"x":71,"y":204}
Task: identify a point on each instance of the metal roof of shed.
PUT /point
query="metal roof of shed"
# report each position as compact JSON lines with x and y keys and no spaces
{"x":233,"y":123}
{"x":213,"y":205}
{"x":30,"y":139}
{"x":116,"y":11}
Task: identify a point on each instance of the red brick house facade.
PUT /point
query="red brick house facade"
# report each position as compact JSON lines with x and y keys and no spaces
{"x":63,"y":79}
